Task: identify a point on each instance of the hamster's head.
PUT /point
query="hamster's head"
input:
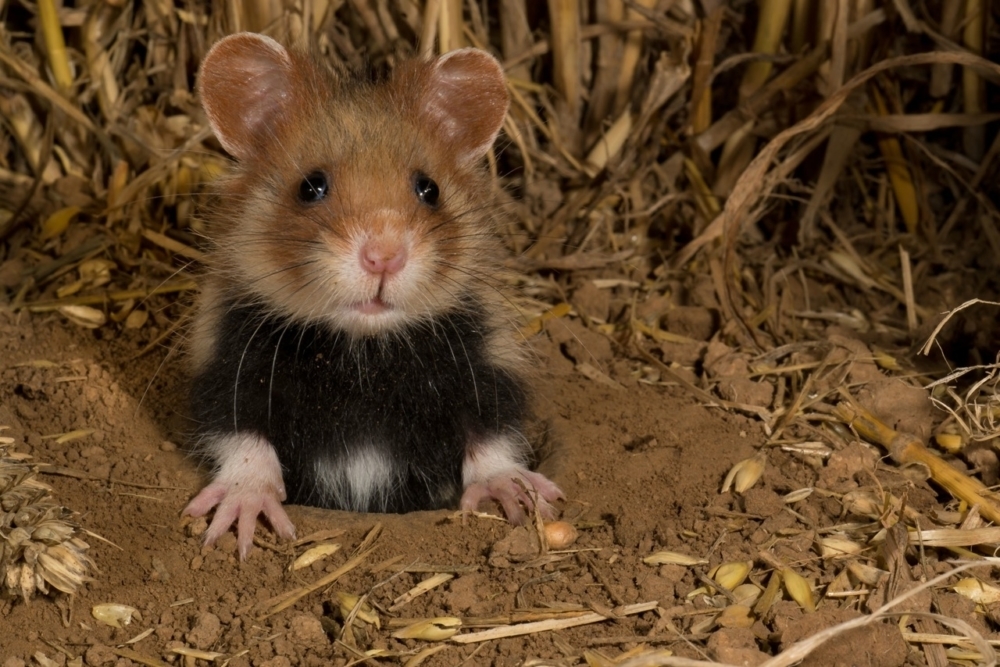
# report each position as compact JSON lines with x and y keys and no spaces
{"x":358,"y":205}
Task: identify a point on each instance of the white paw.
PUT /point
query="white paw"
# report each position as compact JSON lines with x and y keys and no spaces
{"x":516,"y":489}
{"x":247,"y":485}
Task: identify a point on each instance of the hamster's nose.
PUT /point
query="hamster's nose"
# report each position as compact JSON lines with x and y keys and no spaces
{"x":383,"y":257}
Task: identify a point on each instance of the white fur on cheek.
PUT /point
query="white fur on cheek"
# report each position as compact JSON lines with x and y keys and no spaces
{"x":248,"y":463}
{"x":486,"y":460}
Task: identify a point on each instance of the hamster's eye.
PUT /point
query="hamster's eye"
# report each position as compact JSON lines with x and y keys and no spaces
{"x":426,"y":189}
{"x":314,"y":188}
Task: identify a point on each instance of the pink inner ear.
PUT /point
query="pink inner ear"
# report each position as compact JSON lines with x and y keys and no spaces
{"x":245,"y":85}
{"x":466,"y":101}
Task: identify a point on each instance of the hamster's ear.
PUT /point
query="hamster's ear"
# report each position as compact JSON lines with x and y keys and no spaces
{"x":465,"y":101}
{"x":245,"y":85}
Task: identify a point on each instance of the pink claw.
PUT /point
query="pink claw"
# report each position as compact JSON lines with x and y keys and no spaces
{"x":241,"y":507}
{"x":247,"y":484}
{"x":515,"y":489}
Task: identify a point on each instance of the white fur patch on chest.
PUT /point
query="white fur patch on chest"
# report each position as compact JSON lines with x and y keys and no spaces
{"x":362,"y":481}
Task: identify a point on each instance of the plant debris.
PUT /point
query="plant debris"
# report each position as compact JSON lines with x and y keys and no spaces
{"x":41,"y":550}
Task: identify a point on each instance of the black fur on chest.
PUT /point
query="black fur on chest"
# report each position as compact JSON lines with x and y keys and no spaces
{"x":409,"y":402}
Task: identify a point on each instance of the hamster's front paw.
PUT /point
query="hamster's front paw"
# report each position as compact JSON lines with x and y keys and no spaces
{"x":242,"y":507}
{"x":247,"y":485}
{"x":515,"y":489}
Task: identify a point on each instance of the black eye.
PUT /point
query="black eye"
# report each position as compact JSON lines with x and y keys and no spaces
{"x":313,"y":188}
{"x":426,"y":189}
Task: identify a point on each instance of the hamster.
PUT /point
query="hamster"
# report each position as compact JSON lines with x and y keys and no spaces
{"x":350,"y":348}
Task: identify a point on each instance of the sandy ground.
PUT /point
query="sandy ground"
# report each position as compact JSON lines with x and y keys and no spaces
{"x":641,"y":466}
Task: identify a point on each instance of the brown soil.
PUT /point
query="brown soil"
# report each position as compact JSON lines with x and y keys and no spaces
{"x":641,"y":466}
{"x":638,"y":468}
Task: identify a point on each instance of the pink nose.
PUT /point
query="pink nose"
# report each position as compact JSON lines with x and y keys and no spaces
{"x":383,"y":258}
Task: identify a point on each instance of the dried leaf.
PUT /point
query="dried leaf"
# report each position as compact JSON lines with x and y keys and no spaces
{"x":747,"y":594}
{"x":838,"y":547}
{"x":673,"y":558}
{"x":115,"y":615}
{"x":58,"y":222}
{"x":84,"y":316}
{"x":731,"y":575}
{"x":430,"y":629}
{"x":797,"y":495}
{"x":745,"y":474}
{"x":950,"y":442}
{"x":96,"y":272}
{"x":318,"y":552}
{"x":978,"y":591}
{"x":348,"y":601}
{"x":799,"y":589}
{"x":137,"y":319}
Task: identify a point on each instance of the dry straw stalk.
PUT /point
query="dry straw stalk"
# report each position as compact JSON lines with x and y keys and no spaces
{"x":905,"y":448}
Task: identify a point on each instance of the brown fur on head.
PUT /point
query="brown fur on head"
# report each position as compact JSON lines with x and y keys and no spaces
{"x":286,"y":118}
